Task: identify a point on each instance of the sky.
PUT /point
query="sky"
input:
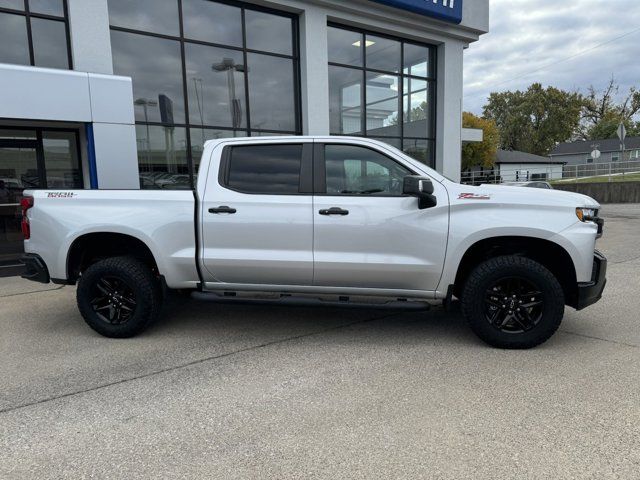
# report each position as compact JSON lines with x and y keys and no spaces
{"x":532,"y":40}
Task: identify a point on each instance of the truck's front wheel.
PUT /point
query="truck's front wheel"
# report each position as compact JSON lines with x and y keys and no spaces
{"x":119,"y":297}
{"x":513,"y":302}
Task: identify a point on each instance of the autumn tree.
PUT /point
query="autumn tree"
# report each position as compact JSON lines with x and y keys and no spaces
{"x":603,"y":112}
{"x":535,"y":120}
{"x":480,"y":154}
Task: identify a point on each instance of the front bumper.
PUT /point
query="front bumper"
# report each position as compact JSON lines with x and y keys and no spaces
{"x":590,"y":292}
{"x":36,"y":269}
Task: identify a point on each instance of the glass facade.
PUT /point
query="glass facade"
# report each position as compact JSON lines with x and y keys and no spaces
{"x":383,"y":88}
{"x":35,"y":32}
{"x":203,"y":69}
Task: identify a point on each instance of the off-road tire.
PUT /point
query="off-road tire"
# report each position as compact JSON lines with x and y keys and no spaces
{"x":481,"y":280}
{"x":138,"y":278}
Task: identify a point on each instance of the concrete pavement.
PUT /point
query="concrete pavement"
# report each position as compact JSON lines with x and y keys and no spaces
{"x":236,"y":391}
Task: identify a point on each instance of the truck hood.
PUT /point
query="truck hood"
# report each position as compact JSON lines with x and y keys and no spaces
{"x":519,"y":195}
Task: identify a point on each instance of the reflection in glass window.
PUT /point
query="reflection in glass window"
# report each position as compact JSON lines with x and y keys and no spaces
{"x":416,"y":60}
{"x":383,"y":105}
{"x":49,"y":43}
{"x":162,"y":156}
{"x":419,"y":149}
{"x":61,"y":158}
{"x":267,"y":169}
{"x":234,"y":83}
{"x":47,"y":7}
{"x":47,"y":38}
{"x":352,"y":170}
{"x":14,"y":42}
{"x":396,"y":108}
{"x":345,"y":46}
{"x":155,"y":67}
{"x":382,"y":53}
{"x":14,"y":4}
{"x":345,"y":100}
{"x":200,"y":135}
{"x":416,"y":107}
{"x":212,"y":22}
{"x":271,"y":87}
{"x":268,"y":32}
{"x":215,"y":85}
{"x":157,"y":16}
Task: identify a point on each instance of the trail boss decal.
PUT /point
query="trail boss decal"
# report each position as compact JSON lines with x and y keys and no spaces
{"x":473,"y":196}
{"x":61,"y":194}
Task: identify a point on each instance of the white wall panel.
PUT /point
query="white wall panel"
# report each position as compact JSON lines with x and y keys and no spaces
{"x":116,"y":156}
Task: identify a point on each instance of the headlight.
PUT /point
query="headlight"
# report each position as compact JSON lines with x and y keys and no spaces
{"x":586,"y":214}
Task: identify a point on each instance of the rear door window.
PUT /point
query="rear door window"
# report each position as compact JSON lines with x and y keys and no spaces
{"x":264,"y":169}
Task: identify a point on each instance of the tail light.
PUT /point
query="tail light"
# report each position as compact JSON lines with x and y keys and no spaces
{"x":26,"y":203}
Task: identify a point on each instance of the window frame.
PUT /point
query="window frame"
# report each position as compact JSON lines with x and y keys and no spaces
{"x":320,"y":171}
{"x":183,"y":40}
{"x":28,"y":15}
{"x":38,"y":144}
{"x":305,"y":182}
{"x":430,"y":79}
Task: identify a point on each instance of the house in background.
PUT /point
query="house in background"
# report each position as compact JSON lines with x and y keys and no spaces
{"x":514,"y":166}
{"x":579,"y":153}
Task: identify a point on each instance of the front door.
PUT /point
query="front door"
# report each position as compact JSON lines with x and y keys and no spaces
{"x":257,"y":220}
{"x":367,"y":234}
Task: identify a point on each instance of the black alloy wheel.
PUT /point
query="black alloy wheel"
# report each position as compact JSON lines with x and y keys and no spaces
{"x":513,"y":305}
{"x":119,"y":297}
{"x":114,"y":300}
{"x":512,"y":302}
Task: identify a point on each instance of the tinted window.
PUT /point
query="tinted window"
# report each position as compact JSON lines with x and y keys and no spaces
{"x":271,"y":169}
{"x":271,"y":92}
{"x":212,"y":22}
{"x":215,"y":82}
{"x":155,"y":66}
{"x":354,"y":170}
{"x":270,"y":33}
{"x":14,"y":43}
{"x":159,"y":16}
{"x":47,"y":7}
{"x":49,"y":43}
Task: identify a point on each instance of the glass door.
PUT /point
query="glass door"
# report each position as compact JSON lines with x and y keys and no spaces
{"x":18,"y":170}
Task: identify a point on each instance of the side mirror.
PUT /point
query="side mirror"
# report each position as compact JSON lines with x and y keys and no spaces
{"x":420,"y":187}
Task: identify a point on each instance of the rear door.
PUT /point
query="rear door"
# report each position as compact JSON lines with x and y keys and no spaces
{"x":257,"y":215}
{"x":367,"y":234}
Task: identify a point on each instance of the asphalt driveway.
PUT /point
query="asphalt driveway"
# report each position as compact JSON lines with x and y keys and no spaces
{"x":237,"y":391}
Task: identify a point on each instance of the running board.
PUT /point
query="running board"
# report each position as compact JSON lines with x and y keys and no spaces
{"x":311,"y":300}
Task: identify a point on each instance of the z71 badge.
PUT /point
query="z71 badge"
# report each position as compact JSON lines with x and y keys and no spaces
{"x":60,"y":194}
{"x":473,"y":196}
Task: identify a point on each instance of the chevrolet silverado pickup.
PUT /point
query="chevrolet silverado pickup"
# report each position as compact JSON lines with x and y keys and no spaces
{"x":348,"y":219}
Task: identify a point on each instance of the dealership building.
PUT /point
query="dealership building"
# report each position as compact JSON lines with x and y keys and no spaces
{"x":124,"y":93}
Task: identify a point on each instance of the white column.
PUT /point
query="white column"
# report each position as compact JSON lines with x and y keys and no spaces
{"x":449,"y":109}
{"x":90,"y":38}
{"x":315,"y":71}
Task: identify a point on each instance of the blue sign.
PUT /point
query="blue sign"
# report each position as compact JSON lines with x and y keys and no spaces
{"x":447,"y":10}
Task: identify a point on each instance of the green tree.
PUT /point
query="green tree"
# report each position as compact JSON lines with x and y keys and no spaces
{"x":480,"y":154}
{"x":535,"y":120}
{"x":602,"y":113}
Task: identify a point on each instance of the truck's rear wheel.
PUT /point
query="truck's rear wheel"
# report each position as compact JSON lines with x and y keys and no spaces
{"x":513,"y":302}
{"x":119,"y":297}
